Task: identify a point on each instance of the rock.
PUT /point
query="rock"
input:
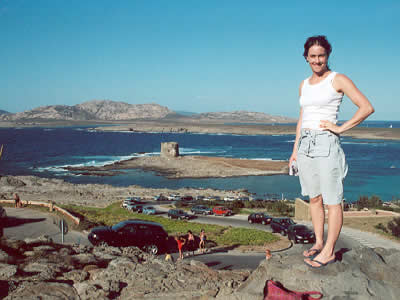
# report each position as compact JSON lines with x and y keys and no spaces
{"x":80,"y":260}
{"x":11,"y":181}
{"x":43,"y":290}
{"x":89,"y":291}
{"x":3,"y":256}
{"x":76,"y":275}
{"x":360,"y":274}
{"x":7,"y":271}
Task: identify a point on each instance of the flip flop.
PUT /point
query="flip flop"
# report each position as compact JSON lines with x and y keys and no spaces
{"x":321,"y":265}
{"x":315,"y":253}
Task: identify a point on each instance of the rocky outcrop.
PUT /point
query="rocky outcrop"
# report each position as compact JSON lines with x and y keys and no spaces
{"x":92,"y":110}
{"x":360,"y":273}
{"x":40,"y":269}
{"x":43,"y":270}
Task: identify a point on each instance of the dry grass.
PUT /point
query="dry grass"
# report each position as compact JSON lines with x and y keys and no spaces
{"x":368,"y":224}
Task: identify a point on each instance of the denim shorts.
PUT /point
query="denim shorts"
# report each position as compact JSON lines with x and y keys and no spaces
{"x":322,"y":165}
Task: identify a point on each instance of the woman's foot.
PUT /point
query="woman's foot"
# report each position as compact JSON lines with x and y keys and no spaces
{"x":320,"y":261}
{"x":313,"y":251}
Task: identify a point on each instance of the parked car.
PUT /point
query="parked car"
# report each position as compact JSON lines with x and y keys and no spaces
{"x":160,"y":198}
{"x":138,"y":208}
{"x":259,"y":218}
{"x":129,"y":201}
{"x":149,"y":236}
{"x":173,"y":197}
{"x":199,"y":197}
{"x":281,"y":225}
{"x":187,"y":198}
{"x":229,"y":198}
{"x":178,"y":214}
{"x":149,"y":210}
{"x":301,"y":234}
{"x":201,"y":209}
{"x":222,"y":211}
{"x":129,"y":206}
{"x":244,"y":199}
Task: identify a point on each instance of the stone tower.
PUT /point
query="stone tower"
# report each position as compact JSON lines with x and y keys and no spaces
{"x":170,"y":149}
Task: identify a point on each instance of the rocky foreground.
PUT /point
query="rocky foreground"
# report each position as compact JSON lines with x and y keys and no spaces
{"x":40,"y":269}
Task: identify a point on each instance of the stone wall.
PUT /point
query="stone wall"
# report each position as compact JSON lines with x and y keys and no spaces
{"x":170,"y":149}
{"x":302,"y":210}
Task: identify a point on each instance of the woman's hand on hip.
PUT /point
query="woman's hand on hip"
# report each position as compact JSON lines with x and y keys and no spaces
{"x":327,"y":125}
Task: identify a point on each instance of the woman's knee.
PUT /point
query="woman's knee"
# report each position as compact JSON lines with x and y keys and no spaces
{"x":316,"y":200}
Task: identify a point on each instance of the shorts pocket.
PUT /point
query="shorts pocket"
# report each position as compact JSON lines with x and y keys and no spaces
{"x":320,"y":146}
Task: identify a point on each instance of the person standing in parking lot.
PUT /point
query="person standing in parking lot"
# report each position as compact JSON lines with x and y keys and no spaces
{"x":317,"y":150}
{"x":190,"y":242}
{"x":202,"y":244}
{"x":17,"y":201}
{"x":180,"y":241}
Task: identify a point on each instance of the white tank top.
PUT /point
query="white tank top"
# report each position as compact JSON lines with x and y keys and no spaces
{"x":319,"y":102}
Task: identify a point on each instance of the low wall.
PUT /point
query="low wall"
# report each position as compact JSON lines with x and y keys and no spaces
{"x":302,"y":210}
{"x":51,"y":207}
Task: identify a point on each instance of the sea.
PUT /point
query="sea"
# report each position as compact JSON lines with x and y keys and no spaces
{"x":374,"y":165}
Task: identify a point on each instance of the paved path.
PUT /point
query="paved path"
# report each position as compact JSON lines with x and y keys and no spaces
{"x":25,"y":223}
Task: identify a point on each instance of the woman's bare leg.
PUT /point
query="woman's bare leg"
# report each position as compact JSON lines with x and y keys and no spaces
{"x":318,"y":220}
{"x":335,"y":222}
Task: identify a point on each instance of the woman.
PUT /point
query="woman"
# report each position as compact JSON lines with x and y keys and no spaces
{"x":320,"y":158}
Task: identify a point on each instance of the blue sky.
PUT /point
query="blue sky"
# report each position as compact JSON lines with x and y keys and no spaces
{"x":198,"y":56}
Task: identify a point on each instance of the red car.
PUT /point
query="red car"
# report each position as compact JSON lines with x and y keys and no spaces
{"x":221,"y":211}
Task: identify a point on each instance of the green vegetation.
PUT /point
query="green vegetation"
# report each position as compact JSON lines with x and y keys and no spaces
{"x":222,"y":235}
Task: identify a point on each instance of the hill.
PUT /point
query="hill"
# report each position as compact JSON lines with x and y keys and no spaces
{"x":107,"y":110}
{"x":92,"y":110}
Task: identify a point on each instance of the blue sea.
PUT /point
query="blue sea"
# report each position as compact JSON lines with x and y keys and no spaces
{"x":374,"y":165}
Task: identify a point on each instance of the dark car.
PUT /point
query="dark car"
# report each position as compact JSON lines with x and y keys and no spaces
{"x":201,"y":209}
{"x":301,"y":234}
{"x":149,"y":236}
{"x":281,"y":225}
{"x":138,"y":208}
{"x":259,"y":218}
{"x":178,"y":214}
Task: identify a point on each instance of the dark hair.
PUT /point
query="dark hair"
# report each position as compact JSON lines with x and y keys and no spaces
{"x":320,"y":40}
{"x":189,"y":232}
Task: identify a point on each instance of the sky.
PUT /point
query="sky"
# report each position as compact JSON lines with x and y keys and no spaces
{"x":195,"y":56}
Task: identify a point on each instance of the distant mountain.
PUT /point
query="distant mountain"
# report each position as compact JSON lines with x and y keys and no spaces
{"x":245,"y":116}
{"x":107,"y":110}
{"x":3,"y":112}
{"x":93,"y":110}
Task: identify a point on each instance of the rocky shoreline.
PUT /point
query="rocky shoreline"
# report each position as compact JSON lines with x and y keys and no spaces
{"x":209,"y":126}
{"x":32,"y":188}
{"x":190,"y":167}
{"x":230,"y":127}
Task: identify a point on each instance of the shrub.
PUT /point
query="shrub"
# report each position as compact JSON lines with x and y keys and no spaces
{"x":394,"y":226}
{"x":382,"y":227}
{"x":372,"y":202}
